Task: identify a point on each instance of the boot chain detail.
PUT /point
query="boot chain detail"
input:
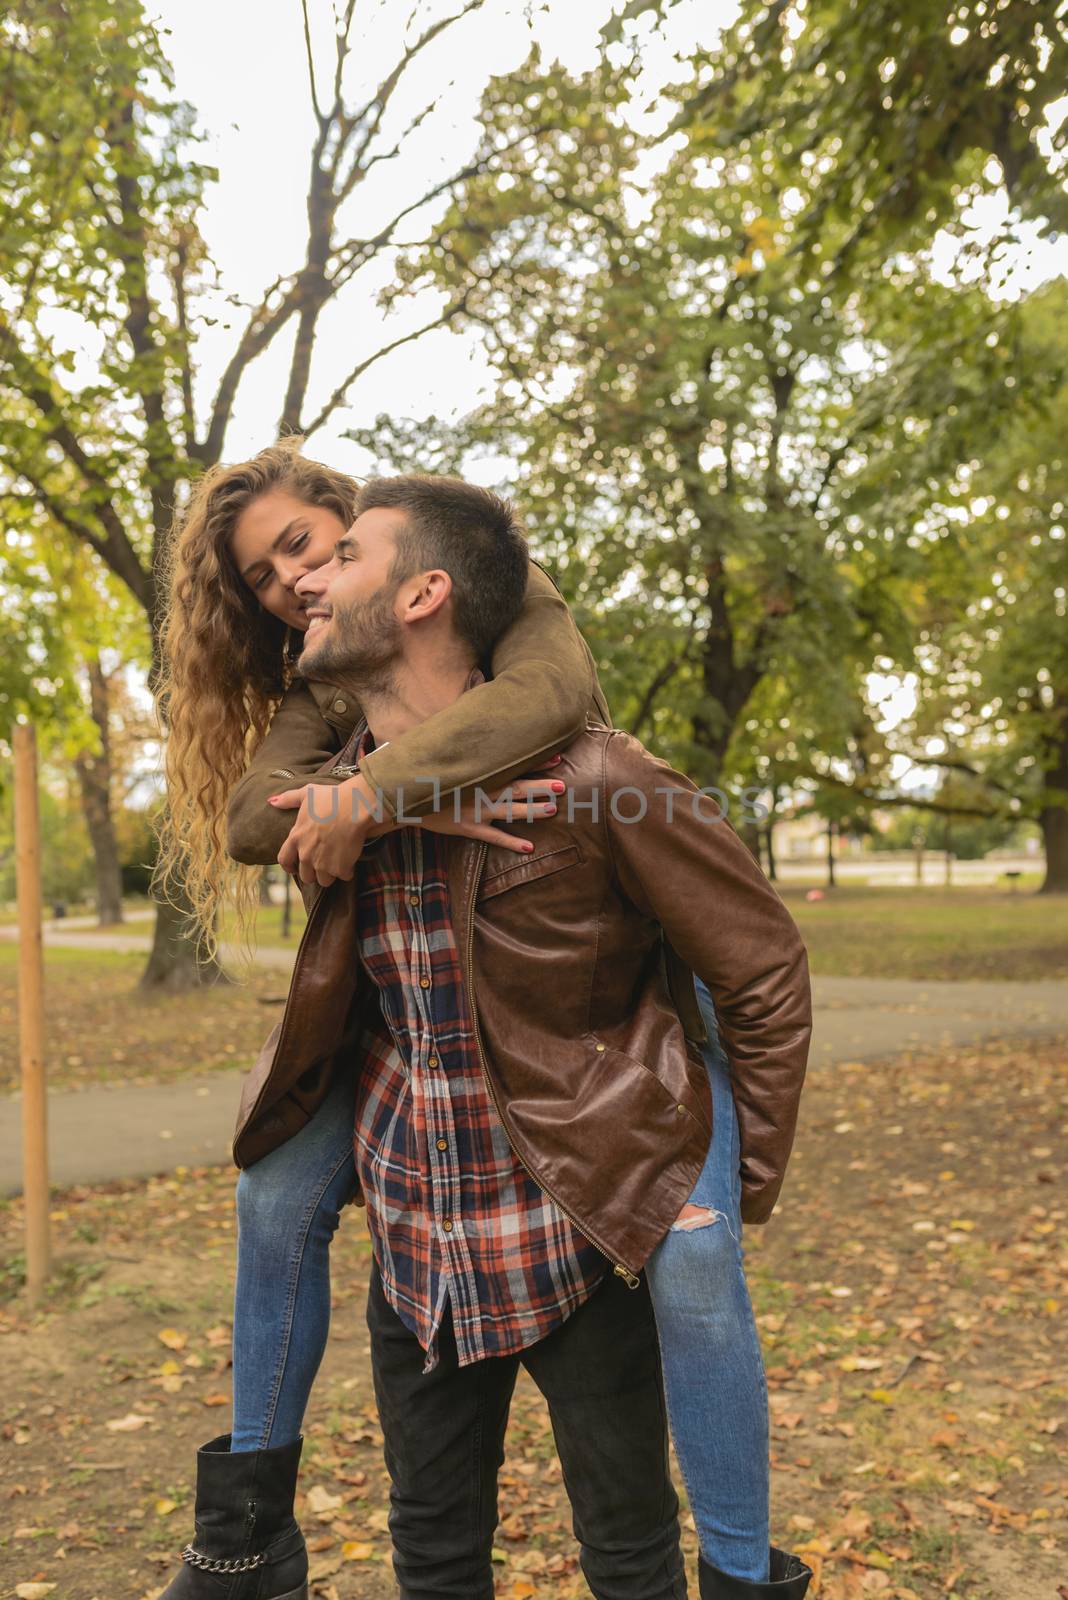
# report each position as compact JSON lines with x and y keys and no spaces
{"x":193,"y":1558}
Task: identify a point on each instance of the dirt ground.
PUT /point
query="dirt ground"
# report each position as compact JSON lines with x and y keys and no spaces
{"x":911,"y":1295}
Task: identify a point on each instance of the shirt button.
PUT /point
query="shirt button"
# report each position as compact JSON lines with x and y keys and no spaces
{"x":447,"y":1225}
{"x":413,"y":899}
{"x":681,"y":1110}
{"x":341,"y":705}
{"x":424,"y":983}
{"x":432,"y":1061}
{"x":601,"y":1047}
{"x":443,"y":1144}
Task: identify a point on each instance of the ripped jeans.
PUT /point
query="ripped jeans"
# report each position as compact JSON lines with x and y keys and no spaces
{"x":713,"y":1372}
{"x":289,"y":1205}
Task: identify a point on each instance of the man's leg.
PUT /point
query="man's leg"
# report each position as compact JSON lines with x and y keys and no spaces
{"x":444,"y":1443}
{"x":600,"y":1373}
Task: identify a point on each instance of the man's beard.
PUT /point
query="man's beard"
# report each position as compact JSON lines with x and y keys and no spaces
{"x":361,"y":647}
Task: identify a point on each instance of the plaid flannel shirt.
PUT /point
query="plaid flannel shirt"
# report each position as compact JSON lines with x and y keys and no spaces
{"x":454,"y":1219}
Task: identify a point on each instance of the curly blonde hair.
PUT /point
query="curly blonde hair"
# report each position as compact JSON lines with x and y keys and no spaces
{"x":225,"y":663}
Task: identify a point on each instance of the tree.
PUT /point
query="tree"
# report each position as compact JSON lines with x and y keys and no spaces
{"x":728,"y":457}
{"x":891,"y":116}
{"x":995,"y":688}
{"x":100,"y":196}
{"x":94,"y":779}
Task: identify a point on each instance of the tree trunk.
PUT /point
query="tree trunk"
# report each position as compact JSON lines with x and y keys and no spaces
{"x":831,"y":882}
{"x":769,"y":838}
{"x":176,"y":961}
{"x":94,"y":779}
{"x":1053,"y":820}
{"x":264,"y":887}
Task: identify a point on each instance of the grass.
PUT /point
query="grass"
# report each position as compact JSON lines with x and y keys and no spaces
{"x":966,"y":933}
{"x":101,"y":1028}
{"x":890,"y":932}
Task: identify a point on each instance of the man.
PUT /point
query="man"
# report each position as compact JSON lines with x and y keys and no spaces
{"x":530,"y":1118}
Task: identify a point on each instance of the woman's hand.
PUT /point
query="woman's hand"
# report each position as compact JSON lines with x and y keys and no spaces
{"x":335,"y":822}
{"x":471,"y":816}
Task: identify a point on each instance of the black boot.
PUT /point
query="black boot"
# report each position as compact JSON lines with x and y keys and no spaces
{"x":247,"y":1544}
{"x":788,"y":1581}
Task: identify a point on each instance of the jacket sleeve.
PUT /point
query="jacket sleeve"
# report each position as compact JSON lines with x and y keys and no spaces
{"x":543,"y":688}
{"x":697,"y":879}
{"x":299,"y":741}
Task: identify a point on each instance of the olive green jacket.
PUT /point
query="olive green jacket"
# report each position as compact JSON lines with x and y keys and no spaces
{"x":542,"y":691}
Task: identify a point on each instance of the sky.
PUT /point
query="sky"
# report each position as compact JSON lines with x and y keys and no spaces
{"x":242,"y":66}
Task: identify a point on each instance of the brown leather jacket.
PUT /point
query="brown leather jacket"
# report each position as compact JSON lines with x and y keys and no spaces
{"x":577,"y":962}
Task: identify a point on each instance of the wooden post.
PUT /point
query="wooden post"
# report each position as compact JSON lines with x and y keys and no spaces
{"x":31,"y":1011}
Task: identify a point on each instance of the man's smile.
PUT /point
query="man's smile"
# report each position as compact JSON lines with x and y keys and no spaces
{"x":316,"y":615}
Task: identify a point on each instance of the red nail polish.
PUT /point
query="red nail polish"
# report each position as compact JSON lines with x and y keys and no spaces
{"x":528,"y":846}
{"x":557,"y":787}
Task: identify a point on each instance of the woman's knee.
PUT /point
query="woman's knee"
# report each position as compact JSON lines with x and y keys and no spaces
{"x":698,"y":1262}
{"x":261,"y":1204}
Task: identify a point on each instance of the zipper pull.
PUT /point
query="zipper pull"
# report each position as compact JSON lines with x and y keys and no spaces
{"x":628,"y":1277}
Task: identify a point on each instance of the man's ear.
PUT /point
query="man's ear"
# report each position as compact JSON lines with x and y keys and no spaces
{"x":428,"y":594}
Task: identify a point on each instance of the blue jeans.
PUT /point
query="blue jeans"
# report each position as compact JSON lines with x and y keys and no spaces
{"x":717,"y":1395}
{"x":289,"y":1207}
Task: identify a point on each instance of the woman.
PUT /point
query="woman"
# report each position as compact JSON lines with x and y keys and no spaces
{"x":250,"y":534}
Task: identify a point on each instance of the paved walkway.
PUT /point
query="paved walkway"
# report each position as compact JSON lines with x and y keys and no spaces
{"x":123,"y":1132}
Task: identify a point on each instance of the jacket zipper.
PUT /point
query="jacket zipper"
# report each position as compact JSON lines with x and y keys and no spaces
{"x":620,"y":1270}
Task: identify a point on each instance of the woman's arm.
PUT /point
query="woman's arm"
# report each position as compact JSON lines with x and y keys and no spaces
{"x":309,"y":727}
{"x":543,"y":688}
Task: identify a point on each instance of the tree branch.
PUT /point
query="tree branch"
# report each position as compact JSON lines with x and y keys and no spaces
{"x":375,"y":108}
{"x":178,"y":280}
{"x":339,"y":394}
{"x":660,"y":681}
{"x":950,"y":765}
{"x":867,"y":798}
{"x":117,"y":554}
{"x":264,"y":324}
{"x":311,"y":64}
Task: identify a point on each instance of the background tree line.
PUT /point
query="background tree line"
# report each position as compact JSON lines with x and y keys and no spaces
{"x":776,"y":417}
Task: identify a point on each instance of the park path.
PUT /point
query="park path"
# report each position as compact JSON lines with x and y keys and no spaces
{"x":119,"y":1131}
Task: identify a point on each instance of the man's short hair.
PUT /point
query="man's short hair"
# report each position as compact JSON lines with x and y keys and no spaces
{"x":470,"y":533}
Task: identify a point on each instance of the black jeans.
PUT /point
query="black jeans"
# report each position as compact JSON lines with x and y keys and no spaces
{"x":444,"y":1443}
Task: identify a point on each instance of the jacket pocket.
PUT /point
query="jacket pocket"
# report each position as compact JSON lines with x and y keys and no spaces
{"x":526,"y":871}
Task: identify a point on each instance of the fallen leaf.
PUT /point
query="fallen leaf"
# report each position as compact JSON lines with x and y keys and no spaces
{"x":357,"y":1550}
{"x":163,"y":1508}
{"x":34,"y":1591}
{"x":173,"y":1339}
{"x":129,"y":1423}
{"x":320,"y":1501}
